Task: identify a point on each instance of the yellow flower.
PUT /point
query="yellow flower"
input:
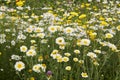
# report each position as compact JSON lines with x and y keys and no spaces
{"x":31,"y":52}
{"x":36,"y":68}
{"x":38,"y":30}
{"x":85,"y":42}
{"x":20,"y":3}
{"x":97,"y":51}
{"x":82,"y":6}
{"x":50,"y":11}
{"x":103,"y":23}
{"x":87,"y":4}
{"x":118,"y":27}
{"x":29,"y":30}
{"x":108,"y":35}
{"x":43,"y":66}
{"x":33,"y":47}
{"x":84,"y":75}
{"x":32,"y":78}
{"x":92,"y":55}
{"x":75,"y":59}
{"x":92,"y":35}
{"x":68,"y":30}
{"x":65,"y":59}
{"x":70,"y":17}
{"x":40,"y":58}
{"x":55,"y":51}
{"x":68,"y":68}
{"x":19,"y":66}
{"x":68,"y":21}
{"x":74,"y":13}
{"x":41,"y":35}
{"x":52,"y":29}
{"x":81,"y":61}
{"x":60,"y":40}
{"x":109,"y":19}
{"x":23,"y":48}
{"x":2,"y":15}
{"x":59,"y":60}
{"x":82,"y":16}
{"x":77,"y":51}
{"x":67,"y":54}
{"x":101,"y":18}
{"x":14,"y":18}
{"x":33,"y":41}
{"x":84,"y":26}
{"x":62,"y":46}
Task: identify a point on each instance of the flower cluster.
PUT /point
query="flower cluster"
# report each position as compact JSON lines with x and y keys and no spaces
{"x":69,"y":42}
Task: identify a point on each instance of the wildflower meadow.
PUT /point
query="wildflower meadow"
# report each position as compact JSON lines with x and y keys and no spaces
{"x":59,"y":39}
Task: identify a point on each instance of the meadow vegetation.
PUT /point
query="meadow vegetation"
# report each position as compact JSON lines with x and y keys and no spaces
{"x":59,"y":40}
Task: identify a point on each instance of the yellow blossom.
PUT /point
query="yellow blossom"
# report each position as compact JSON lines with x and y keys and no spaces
{"x":68,"y":68}
{"x":40,"y":58}
{"x":118,"y":27}
{"x":84,"y":75}
{"x":67,"y":54}
{"x":82,"y":16}
{"x":75,"y":59}
{"x":74,"y":13}
{"x":33,"y":41}
{"x":81,"y":61}
{"x":65,"y":59}
{"x":20,"y":3}
{"x":101,"y":18}
{"x":109,"y":19}
{"x":50,"y":11}
{"x":32,"y":78}
{"x":59,"y":60}
{"x":44,"y":65}
{"x":108,"y":35}
{"x":82,"y":6}
{"x":104,"y":23}
{"x":2,"y":16}
{"x":93,"y":35}
{"x":76,"y":51}
{"x":87,"y":4}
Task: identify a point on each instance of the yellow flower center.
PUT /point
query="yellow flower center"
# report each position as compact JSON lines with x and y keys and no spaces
{"x":19,"y":65}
